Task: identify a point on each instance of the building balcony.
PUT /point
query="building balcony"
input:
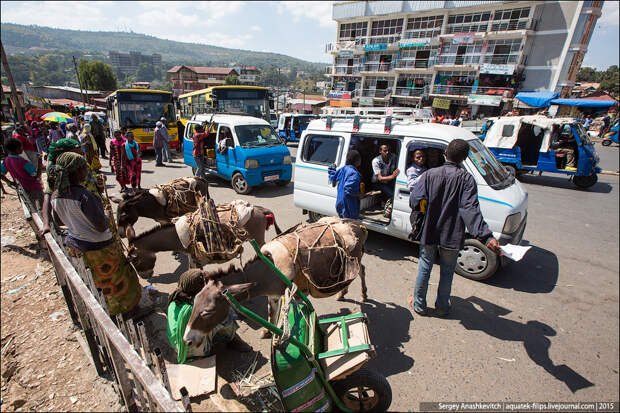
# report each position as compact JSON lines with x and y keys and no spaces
{"x":471,"y":90}
{"x":414,"y":63}
{"x":377,"y":67}
{"x":376,"y":93}
{"x":410,"y":92}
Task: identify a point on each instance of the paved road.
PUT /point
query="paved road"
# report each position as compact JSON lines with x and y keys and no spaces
{"x":544,"y":328}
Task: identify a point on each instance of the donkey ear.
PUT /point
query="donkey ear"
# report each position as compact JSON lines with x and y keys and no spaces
{"x":239,"y":289}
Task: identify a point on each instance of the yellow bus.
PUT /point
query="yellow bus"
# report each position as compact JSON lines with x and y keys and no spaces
{"x":138,"y":110}
{"x":252,"y":100}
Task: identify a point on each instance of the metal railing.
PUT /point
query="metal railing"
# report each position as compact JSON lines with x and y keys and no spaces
{"x":500,"y":59}
{"x":471,"y":90}
{"x":122,"y":352}
{"x":347,"y":70}
{"x":413,"y":63}
{"x":458,"y":60}
{"x":378,"y":67}
{"x":507,"y":25}
{"x":409,"y":91}
{"x":376,"y":93}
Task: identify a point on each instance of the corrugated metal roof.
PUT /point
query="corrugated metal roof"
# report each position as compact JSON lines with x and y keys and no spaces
{"x":204,"y":70}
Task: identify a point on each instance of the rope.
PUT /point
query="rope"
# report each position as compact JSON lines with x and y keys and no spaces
{"x":288,"y":296}
{"x":180,"y":198}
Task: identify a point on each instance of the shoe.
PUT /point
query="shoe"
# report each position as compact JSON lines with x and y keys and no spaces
{"x":423,"y":312}
{"x":441,"y":313}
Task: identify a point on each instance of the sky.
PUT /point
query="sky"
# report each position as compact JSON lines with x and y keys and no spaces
{"x":294,"y":28}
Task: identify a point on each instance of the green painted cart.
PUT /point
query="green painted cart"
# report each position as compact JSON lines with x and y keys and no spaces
{"x":318,"y":364}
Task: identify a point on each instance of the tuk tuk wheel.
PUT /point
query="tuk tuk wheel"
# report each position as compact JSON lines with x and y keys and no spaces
{"x":606,"y":142}
{"x":365,"y":390}
{"x":511,"y":169}
{"x":476,"y":261}
{"x":585,"y":181}
{"x":240,"y":185}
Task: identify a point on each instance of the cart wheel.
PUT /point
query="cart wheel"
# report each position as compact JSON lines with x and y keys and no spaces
{"x":365,"y":390}
{"x":585,"y":181}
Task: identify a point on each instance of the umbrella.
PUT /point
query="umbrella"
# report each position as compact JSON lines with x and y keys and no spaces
{"x":57,"y":117}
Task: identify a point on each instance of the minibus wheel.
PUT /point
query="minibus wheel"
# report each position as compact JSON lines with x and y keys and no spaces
{"x":314,"y":216}
{"x":476,"y":261}
{"x":284,"y":182}
{"x":239,"y":184}
{"x":585,"y":181}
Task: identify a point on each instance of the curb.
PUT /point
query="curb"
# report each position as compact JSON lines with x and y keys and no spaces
{"x":614,"y":173}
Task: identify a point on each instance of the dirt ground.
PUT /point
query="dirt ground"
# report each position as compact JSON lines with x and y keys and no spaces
{"x":43,"y":365}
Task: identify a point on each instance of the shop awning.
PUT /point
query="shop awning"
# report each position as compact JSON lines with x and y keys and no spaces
{"x":537,"y":99}
{"x":584,"y":103}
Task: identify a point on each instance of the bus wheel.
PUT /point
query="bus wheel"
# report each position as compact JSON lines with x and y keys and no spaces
{"x":585,"y":181}
{"x":240,"y":185}
{"x":476,"y":261}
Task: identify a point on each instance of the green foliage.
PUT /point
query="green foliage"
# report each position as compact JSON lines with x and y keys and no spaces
{"x":587,"y":74}
{"x":96,"y":75}
{"x":147,"y":73}
{"x":232,"y":80}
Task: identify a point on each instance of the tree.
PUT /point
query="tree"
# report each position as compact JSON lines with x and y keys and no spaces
{"x":147,"y":73}
{"x":96,"y":75}
{"x":232,"y":80}
{"x":587,"y":74}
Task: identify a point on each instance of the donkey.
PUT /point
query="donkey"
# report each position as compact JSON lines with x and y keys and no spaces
{"x":175,"y":237}
{"x":257,"y":279}
{"x":153,"y":203}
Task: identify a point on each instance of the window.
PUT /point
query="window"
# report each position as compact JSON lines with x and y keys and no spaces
{"x":488,"y":166}
{"x":423,"y":27}
{"x":508,"y":130}
{"x":514,"y":19}
{"x":386,"y":27}
{"x":322,"y":150}
{"x":256,"y":135}
{"x":352,"y":30}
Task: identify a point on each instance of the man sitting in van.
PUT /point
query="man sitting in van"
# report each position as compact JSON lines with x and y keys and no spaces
{"x":418,"y":166}
{"x":385,"y":171}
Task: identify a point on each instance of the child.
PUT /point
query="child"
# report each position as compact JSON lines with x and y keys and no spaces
{"x":349,"y":180}
{"x":22,"y":171}
{"x":134,"y":162}
{"x":417,"y":167}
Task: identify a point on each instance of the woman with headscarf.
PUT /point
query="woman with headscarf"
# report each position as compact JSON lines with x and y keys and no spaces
{"x":134,"y":162}
{"x":118,"y":160}
{"x":90,"y":237}
{"x":90,"y":148}
{"x":39,"y":138}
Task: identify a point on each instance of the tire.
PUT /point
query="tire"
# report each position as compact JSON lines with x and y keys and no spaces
{"x":511,"y":168}
{"x":365,"y":390}
{"x":476,"y":261}
{"x":314,"y":216}
{"x":239,"y":184}
{"x":606,"y":142}
{"x":585,"y":181}
{"x":283,"y":182}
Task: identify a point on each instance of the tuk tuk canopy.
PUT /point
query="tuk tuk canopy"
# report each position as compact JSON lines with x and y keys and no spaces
{"x":584,"y":103}
{"x":505,"y":130}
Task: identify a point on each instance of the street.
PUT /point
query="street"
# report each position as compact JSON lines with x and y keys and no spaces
{"x":542,"y":329}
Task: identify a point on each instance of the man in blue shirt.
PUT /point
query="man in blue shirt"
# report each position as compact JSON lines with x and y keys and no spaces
{"x":349,"y":180}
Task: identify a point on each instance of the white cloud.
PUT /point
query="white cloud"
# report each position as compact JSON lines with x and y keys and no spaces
{"x":214,"y":39}
{"x":321,"y":11}
{"x":609,"y":17}
{"x":256,"y":28}
{"x":75,"y":15}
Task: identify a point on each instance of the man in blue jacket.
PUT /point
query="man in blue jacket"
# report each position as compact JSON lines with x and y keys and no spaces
{"x":452,"y":206}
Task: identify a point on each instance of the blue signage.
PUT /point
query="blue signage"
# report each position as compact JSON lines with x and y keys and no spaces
{"x":375,"y":47}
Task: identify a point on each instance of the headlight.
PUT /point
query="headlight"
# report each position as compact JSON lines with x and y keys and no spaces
{"x":512,"y":223}
{"x":287,"y":160}
{"x":251,"y":163}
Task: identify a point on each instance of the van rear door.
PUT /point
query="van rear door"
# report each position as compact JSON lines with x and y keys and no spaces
{"x":317,"y":151}
{"x":188,"y":143}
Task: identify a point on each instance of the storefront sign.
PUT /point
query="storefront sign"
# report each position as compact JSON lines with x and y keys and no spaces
{"x":441,"y":103}
{"x":375,"y":47}
{"x":345,"y":53}
{"x":338,"y":94}
{"x":341,"y":103}
{"x":463,"y":38}
{"x":366,"y":101}
{"x":497,"y":69}
{"x":484,"y":100}
{"x":414,"y":43}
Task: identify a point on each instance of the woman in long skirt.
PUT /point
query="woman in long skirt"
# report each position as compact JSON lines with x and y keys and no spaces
{"x":134,"y":162}
{"x":119,"y":161}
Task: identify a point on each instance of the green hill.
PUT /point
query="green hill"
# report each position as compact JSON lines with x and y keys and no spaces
{"x":37,"y":40}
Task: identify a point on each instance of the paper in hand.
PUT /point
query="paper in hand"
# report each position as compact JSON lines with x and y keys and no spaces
{"x":514,"y":252}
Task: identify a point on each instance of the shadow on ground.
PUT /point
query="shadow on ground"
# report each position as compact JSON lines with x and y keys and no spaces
{"x":480,"y":315}
{"x":564,"y":183}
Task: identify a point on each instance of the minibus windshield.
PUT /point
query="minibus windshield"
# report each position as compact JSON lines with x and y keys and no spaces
{"x":495,"y":175}
{"x":256,"y":135}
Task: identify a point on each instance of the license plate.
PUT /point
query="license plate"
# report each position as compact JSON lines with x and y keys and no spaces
{"x":272,"y":177}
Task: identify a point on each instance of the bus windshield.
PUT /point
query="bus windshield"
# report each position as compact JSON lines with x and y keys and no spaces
{"x":254,"y":102}
{"x":144,"y":109}
{"x":256,"y":135}
{"x":305,"y":120}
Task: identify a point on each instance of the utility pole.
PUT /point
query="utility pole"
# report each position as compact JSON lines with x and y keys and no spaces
{"x":77,"y":73}
{"x":17,"y":106}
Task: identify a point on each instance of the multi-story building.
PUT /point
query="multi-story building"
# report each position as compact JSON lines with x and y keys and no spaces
{"x":248,"y":75}
{"x":189,"y":78}
{"x":457,"y":52}
{"x":128,"y":62}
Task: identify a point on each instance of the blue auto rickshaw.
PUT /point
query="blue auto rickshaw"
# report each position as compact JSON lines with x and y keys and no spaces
{"x":612,"y":135}
{"x":292,"y":125}
{"x":523,"y":144}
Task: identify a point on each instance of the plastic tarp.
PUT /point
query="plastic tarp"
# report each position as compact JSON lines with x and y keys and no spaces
{"x":584,"y":103}
{"x":505,"y":130}
{"x":537,"y":99}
